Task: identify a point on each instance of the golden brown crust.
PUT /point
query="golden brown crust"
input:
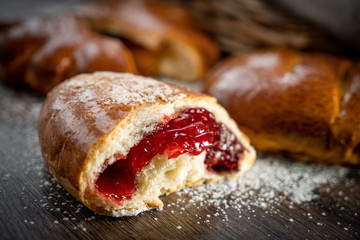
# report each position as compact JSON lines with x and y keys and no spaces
{"x":166,"y":28}
{"x":304,"y":105}
{"x":346,"y":128}
{"x":41,"y":52}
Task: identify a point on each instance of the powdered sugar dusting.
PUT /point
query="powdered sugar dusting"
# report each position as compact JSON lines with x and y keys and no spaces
{"x":125,"y":88}
{"x":268,"y":182}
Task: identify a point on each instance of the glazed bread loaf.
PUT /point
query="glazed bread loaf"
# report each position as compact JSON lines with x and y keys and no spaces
{"x":118,"y":141}
{"x":303,"y":105}
{"x":41,"y":52}
{"x":162,"y":37}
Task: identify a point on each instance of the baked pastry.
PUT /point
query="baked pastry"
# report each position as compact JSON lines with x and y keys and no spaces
{"x":117,"y":141}
{"x":161,"y":36}
{"x":298,"y":104}
{"x":41,"y":52}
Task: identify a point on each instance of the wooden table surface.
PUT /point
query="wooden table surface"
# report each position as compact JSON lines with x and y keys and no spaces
{"x":276,"y":199}
{"x":34,"y":206}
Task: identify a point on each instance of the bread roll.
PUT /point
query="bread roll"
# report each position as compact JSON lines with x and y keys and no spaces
{"x":303,"y":105}
{"x":118,"y":141}
{"x":39,"y":53}
{"x":161,"y":37}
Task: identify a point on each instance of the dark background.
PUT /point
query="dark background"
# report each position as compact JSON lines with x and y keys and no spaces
{"x":340,"y":18}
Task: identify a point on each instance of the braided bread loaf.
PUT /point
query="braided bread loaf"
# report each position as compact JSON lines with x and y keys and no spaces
{"x":303,"y":105}
{"x":41,"y":52}
{"x":161,"y":36}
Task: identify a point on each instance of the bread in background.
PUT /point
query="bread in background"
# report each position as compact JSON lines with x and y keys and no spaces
{"x":303,"y":105}
{"x":162,"y":37}
{"x":39,"y":53}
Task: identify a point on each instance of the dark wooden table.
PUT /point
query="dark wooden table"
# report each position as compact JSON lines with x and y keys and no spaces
{"x":34,"y":206}
{"x":276,"y":199}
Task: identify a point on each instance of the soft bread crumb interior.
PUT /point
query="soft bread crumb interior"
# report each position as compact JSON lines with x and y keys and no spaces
{"x":161,"y":175}
{"x":164,"y":175}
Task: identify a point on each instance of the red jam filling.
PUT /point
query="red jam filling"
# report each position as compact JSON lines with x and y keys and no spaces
{"x":191,"y":131}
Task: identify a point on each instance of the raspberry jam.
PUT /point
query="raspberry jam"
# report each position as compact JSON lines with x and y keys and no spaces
{"x":191,"y":131}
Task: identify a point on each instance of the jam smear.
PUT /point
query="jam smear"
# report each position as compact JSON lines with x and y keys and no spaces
{"x":191,"y":131}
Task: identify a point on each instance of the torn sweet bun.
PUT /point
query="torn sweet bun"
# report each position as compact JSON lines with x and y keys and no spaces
{"x":296,"y":104}
{"x":118,"y":141}
{"x":39,"y":53}
{"x":161,"y":36}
